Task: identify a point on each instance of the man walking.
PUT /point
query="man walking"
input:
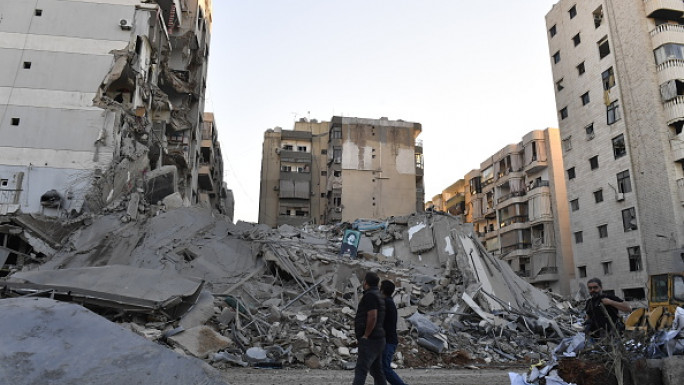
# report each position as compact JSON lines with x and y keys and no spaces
{"x":391,"y":338}
{"x":370,"y":335}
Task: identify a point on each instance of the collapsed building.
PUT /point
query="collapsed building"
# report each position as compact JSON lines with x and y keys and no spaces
{"x":102,"y":101}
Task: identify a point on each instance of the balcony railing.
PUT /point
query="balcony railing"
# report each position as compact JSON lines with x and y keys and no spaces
{"x":539,"y":183}
{"x":667,"y":28}
{"x":523,"y":273}
{"x":511,"y":195}
{"x":9,"y":196}
{"x":664,"y":9}
{"x":514,"y":219}
{"x":674,"y":109}
{"x":517,"y":246}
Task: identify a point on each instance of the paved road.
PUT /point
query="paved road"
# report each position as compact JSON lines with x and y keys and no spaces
{"x":339,"y":377}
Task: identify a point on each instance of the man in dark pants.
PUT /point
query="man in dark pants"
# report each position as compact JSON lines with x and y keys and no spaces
{"x":370,"y":316}
{"x":391,"y":338}
{"x":597,"y":324}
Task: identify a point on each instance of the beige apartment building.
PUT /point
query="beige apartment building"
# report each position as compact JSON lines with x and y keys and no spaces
{"x":342,"y":170}
{"x":517,"y":204}
{"x":618,"y":68}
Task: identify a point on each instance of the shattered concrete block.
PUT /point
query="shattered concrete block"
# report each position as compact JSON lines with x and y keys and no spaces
{"x":427,"y":300}
{"x":200,"y":313}
{"x":323,"y":304}
{"x":227,"y":316}
{"x":160,"y":183}
{"x":133,"y":203}
{"x":173,"y":201}
{"x":343,"y":351}
{"x":673,"y":370}
{"x":200,"y":341}
{"x":347,"y":310}
{"x":313,"y":362}
{"x":271,"y":302}
{"x":301,"y":317}
{"x":407,"y":311}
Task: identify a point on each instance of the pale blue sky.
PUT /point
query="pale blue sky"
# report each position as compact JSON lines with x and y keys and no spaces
{"x":475,"y":74}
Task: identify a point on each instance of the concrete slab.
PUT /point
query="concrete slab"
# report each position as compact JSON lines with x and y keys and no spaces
{"x":200,"y":341}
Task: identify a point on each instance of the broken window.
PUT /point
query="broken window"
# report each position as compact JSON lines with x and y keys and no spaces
{"x":556,"y":57}
{"x":572,"y":12}
{"x":574,"y":204}
{"x":593,"y":162}
{"x":336,"y":133}
{"x":671,"y":89}
{"x":603,"y":47}
{"x":288,"y":147}
{"x":598,"y":196}
{"x":578,"y":237}
{"x":607,"y":267}
{"x":15,"y":121}
{"x":634,"y":254}
{"x":580,"y":68}
{"x":567,"y":144}
{"x":634,"y":294}
{"x":337,"y":154}
{"x":559,"y":85}
{"x":667,"y":52}
{"x":27,"y":65}
{"x":475,"y":185}
{"x":337,"y":173}
{"x":552,"y":31}
{"x":576,"y":39}
{"x":585,"y":98}
{"x":589,"y":130}
{"x":582,"y":271}
{"x":608,"y":78}
{"x":629,"y":221}
{"x":612,"y":112}
{"x":563,"y":113}
{"x":603,"y":231}
{"x":598,"y":16}
{"x":301,"y":148}
{"x":619,"y":149}
{"x":571,"y":173}
{"x":285,"y":168}
{"x":623,"y":182}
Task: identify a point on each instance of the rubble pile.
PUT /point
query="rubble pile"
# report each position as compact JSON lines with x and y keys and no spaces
{"x":287,"y":297}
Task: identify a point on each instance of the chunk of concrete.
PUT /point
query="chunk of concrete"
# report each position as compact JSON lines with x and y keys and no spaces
{"x":200,"y":341}
{"x":673,"y":370}
{"x":173,"y":201}
{"x":200,"y":312}
{"x":427,"y":300}
{"x":227,"y":316}
{"x":133,"y":203}
{"x":160,"y":183}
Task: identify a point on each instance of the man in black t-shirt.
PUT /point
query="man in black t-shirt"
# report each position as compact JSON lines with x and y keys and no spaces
{"x":391,"y":338}
{"x":597,"y":324}
{"x":370,"y":335}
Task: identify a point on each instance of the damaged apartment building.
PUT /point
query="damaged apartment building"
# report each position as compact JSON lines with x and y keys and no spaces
{"x":517,"y":204}
{"x":348,"y":168}
{"x":102,"y":99}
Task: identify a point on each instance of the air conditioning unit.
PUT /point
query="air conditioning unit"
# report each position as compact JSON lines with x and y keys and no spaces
{"x":338,"y":209}
{"x":620,"y":197}
{"x":125,"y":24}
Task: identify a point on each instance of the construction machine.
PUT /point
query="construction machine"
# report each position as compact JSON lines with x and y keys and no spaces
{"x":666,"y":293}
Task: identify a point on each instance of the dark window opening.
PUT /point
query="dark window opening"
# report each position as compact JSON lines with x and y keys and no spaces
{"x":619,"y":148}
{"x":607,"y":268}
{"x":574,"y":204}
{"x":324,"y":173}
{"x":608,"y":78}
{"x":571,"y":173}
{"x":671,"y":89}
{"x":38,"y":12}
{"x":559,"y":85}
{"x":589,"y":130}
{"x":634,"y":254}
{"x":593,"y":162}
{"x":324,"y":152}
{"x":573,"y":12}
{"x":563,"y":113}
{"x":636,"y":294}
{"x":603,"y":47}
{"x":288,"y":147}
{"x":629,"y":220}
{"x":598,"y":196}
{"x":582,"y":271}
{"x":585,"y":98}
{"x":552,"y":31}
{"x":580,"y":68}
{"x":27,"y":65}
{"x":603,"y":231}
{"x":598,"y":16}
{"x":556,"y":57}
{"x":15,"y":121}
{"x":578,"y":237}
{"x":623,"y":182}
{"x":576,"y":39}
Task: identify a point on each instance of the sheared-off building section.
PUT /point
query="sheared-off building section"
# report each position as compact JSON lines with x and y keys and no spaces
{"x":99,"y":99}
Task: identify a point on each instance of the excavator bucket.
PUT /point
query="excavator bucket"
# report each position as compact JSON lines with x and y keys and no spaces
{"x":654,"y":317}
{"x":636,"y":320}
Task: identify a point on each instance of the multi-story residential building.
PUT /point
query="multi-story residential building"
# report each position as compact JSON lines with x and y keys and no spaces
{"x":211,"y":189}
{"x":517,"y":204}
{"x":294,"y":174}
{"x":349,"y":168}
{"x":375,"y":169}
{"x":451,"y":200}
{"x":617,"y":68}
{"x":97,"y":98}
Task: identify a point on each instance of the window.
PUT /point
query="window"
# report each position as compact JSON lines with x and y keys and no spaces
{"x":336,"y":133}
{"x":572,"y":12}
{"x":4,"y":182}
{"x":593,"y":162}
{"x":603,"y":47}
{"x":678,"y":288}
{"x":603,"y":231}
{"x":578,"y":237}
{"x":580,"y":68}
{"x":567,"y":144}
{"x":15,"y":121}
{"x":667,"y":52}
{"x":38,"y":12}
{"x":337,"y":173}
{"x":288,"y":147}
{"x":585,"y":98}
{"x":324,"y":151}
{"x":634,"y":254}
{"x":582,"y":271}
{"x":574,"y":204}
{"x":571,"y":173}
{"x":589,"y":130}
{"x":301,"y":148}
{"x":285,"y":168}
{"x":607,"y":268}
{"x":612,"y":112}
{"x":27,"y":65}
{"x":552,"y":31}
{"x":556,"y":57}
{"x":623,"y":182}
{"x":598,"y":196}
{"x":619,"y":149}
{"x":629,"y":221}
{"x":634,"y":294}
{"x":598,"y":16}
{"x":608,"y":78}
{"x":337,"y":155}
{"x":559,"y":85}
{"x":322,"y":195}
{"x":576,"y":39}
{"x":563,"y":113}
{"x":324,"y":173}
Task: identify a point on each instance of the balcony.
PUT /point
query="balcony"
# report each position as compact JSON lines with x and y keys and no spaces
{"x":674,"y":109}
{"x":670,"y":70}
{"x":521,"y":246}
{"x":536,"y":165}
{"x":508,"y":196}
{"x":664,"y":9}
{"x":667,"y":33}
{"x":680,"y":189}
{"x":204,"y":179}
{"x":677,"y":147}
{"x":513,"y":220}
{"x":546,"y":274}
{"x":490,"y":212}
{"x":523,"y":273}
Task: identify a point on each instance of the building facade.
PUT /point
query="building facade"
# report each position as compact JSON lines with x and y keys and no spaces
{"x":348,"y":168}
{"x":517,"y":204}
{"x":618,"y":70}
{"x":98,"y":97}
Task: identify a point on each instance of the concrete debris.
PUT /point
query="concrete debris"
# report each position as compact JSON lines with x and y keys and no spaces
{"x":46,"y":341}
